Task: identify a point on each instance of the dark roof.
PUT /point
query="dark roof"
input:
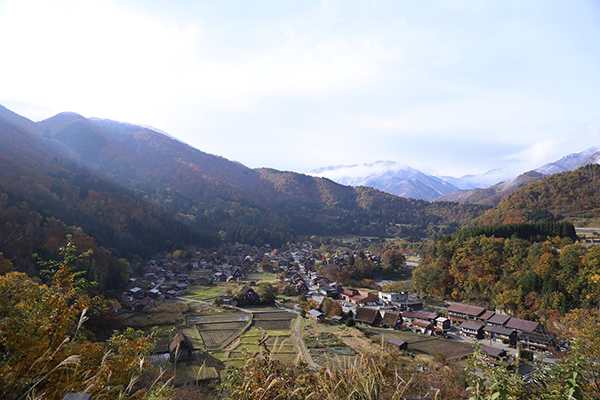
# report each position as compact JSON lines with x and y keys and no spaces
{"x":366,"y":315}
{"x":498,"y":319}
{"x":180,"y":340}
{"x":498,"y":329}
{"x":472,"y":311}
{"x":493,"y":351}
{"x":408,"y":314}
{"x":487,"y":315}
{"x":397,"y":342}
{"x":471,"y":326}
{"x":390,"y":318}
{"x":535,"y":337}
{"x":522,"y":325}
{"x":146,"y":300}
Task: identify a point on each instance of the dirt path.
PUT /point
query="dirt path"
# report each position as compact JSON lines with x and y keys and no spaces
{"x":305,"y":354}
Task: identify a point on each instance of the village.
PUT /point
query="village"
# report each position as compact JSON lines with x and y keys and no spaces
{"x":212,"y":313}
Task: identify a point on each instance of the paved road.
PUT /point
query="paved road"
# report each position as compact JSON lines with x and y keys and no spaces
{"x":305,"y":354}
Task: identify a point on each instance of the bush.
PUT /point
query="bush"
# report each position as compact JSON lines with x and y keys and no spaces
{"x":350,"y":322}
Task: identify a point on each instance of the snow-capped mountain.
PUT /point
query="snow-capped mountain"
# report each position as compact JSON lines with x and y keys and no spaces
{"x":569,"y":162}
{"x":390,"y":177}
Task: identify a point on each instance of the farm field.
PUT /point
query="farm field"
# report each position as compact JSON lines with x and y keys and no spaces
{"x":423,"y":344}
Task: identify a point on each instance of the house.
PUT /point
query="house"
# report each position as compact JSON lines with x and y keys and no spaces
{"x":202,"y":281}
{"x":389,"y":297}
{"x":337,"y":318}
{"x":349,"y":293}
{"x":180,"y":348}
{"x":500,"y":334}
{"x":136,"y":292}
{"x":368,"y":316}
{"x":493,"y":352}
{"x":219,"y":277}
{"x":427,"y":316}
{"x":236,"y":274}
{"x":248,"y":294}
{"x":328,"y":291}
{"x":391,"y":319}
{"x":180,"y":288}
{"x":316,"y":315}
{"x":537,"y":341}
{"x":472,"y":329}
{"x":458,"y":313}
{"x":400,"y":344}
{"x":143,"y":304}
{"x":364,"y":297}
{"x":422,"y":326}
{"x":443,"y":323}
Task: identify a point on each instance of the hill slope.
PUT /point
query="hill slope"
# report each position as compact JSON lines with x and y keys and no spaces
{"x":243,"y":204}
{"x":572,"y":195}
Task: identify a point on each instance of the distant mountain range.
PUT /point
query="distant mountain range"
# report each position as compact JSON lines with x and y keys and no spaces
{"x":487,"y":189}
{"x":390,"y":177}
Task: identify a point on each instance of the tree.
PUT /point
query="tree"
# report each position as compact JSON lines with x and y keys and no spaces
{"x":267,"y":293}
{"x":44,"y":340}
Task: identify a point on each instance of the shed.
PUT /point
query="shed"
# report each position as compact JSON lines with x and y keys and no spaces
{"x":400,"y":344}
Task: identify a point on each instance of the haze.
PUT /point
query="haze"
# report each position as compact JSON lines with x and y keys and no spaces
{"x":446,"y":87}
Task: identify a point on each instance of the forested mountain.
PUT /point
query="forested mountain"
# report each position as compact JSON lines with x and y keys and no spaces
{"x":241,"y":203}
{"x":494,"y":194}
{"x":44,"y":195}
{"x":129,"y":191}
{"x":572,"y":195}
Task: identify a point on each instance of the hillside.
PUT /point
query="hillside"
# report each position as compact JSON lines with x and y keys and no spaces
{"x":45,"y":194}
{"x":494,"y":194}
{"x":242,"y":204}
{"x":572,"y":195}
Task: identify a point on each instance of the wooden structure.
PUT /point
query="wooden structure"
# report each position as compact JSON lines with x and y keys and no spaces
{"x":180,"y":348}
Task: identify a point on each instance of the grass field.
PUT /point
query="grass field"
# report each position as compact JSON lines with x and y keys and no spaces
{"x":261,"y":276}
{"x":209,"y":293}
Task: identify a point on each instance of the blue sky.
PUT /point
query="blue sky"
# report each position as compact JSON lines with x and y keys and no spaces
{"x":448,"y":87}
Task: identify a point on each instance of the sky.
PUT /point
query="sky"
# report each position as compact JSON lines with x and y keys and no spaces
{"x":447,"y":87}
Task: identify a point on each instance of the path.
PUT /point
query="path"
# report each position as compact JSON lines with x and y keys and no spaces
{"x":307,"y":357}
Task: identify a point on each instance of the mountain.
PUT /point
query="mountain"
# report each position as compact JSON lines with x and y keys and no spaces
{"x":568,"y":162}
{"x":491,"y":196}
{"x":390,"y":177}
{"x":494,"y":194}
{"x":468,"y":182}
{"x":240,"y":203}
{"x":46,"y":194}
{"x":572,"y":195}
